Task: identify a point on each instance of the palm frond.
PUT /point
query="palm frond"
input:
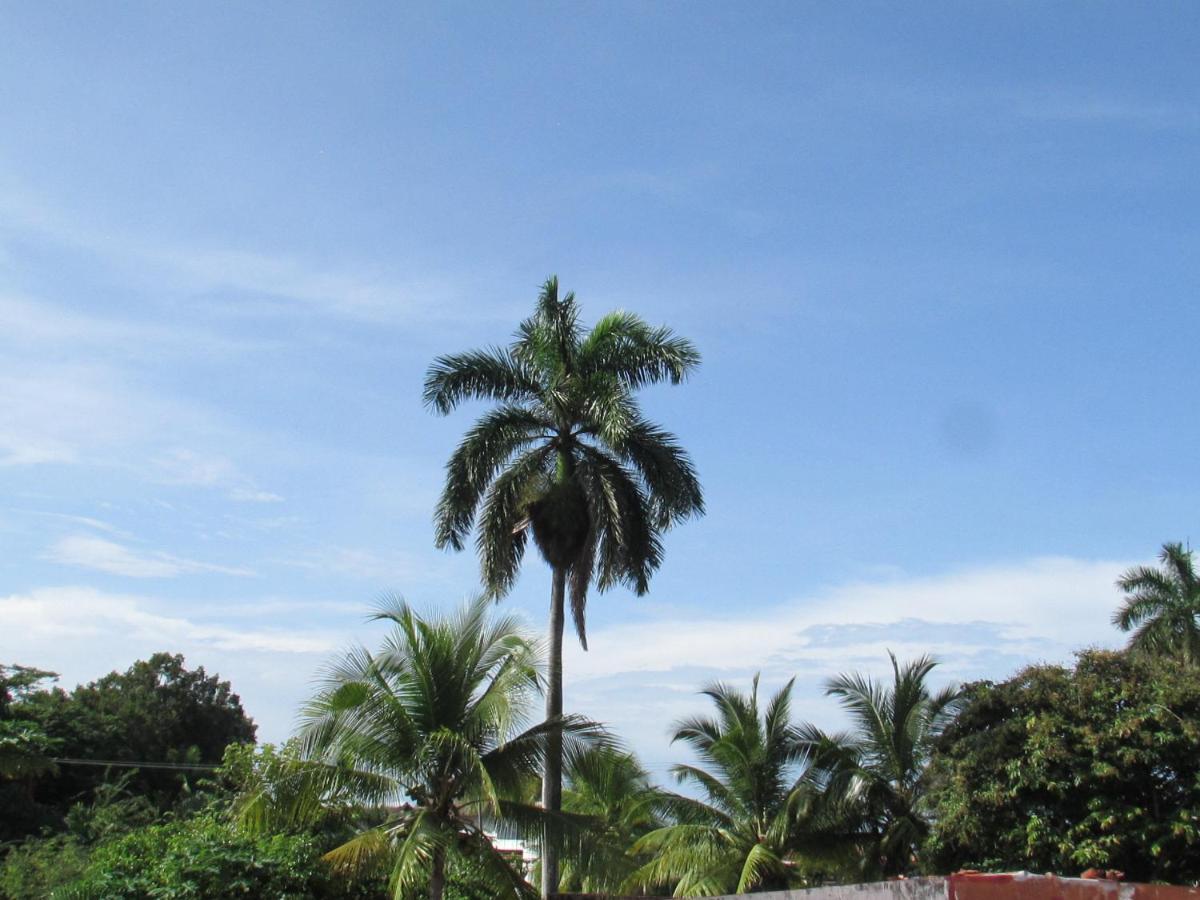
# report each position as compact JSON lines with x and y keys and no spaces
{"x":1162,"y":606}
{"x":501,"y":543}
{"x":492,"y":374}
{"x":630,"y":546}
{"x":494,"y":440}
{"x":623,"y":345}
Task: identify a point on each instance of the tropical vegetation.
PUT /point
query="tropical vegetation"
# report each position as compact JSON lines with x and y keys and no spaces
{"x":566,"y":455}
{"x":413,"y":759}
{"x":431,"y":730}
{"x":873,"y":777}
{"x":749,"y":828}
{"x":412,"y":762}
{"x":610,"y":790}
{"x":1162,"y":606}
{"x":1062,"y":769}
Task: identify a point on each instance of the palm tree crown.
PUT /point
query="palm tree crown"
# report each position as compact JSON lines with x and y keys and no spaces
{"x":873,"y":777}
{"x":568,"y":455}
{"x":1161,"y":606}
{"x":428,"y":729}
{"x":610,"y":789}
{"x":567,"y":452}
{"x":748,"y":831}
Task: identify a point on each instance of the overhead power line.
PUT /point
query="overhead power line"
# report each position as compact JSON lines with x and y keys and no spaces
{"x":128,"y":764}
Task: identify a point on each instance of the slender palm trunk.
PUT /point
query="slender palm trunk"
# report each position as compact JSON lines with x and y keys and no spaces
{"x":552,"y":775}
{"x":437,"y":874}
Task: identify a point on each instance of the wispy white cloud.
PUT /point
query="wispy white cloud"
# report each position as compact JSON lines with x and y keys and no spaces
{"x":81,"y":412}
{"x":82,"y":633}
{"x":69,"y":394}
{"x":980,"y":622}
{"x":80,"y":612}
{"x":359,"y":562}
{"x":183,"y":466}
{"x":188,"y":467}
{"x":1065,"y":602}
{"x":69,"y":412}
{"x":88,"y":521}
{"x":38,"y":327}
{"x":96,"y":553}
{"x":251,"y":495}
{"x":351,"y":290}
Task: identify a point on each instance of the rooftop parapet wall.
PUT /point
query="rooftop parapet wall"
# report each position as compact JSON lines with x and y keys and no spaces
{"x":1012,"y":886}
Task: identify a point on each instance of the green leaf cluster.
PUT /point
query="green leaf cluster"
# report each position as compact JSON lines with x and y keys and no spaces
{"x":567,"y":454}
{"x":206,"y":858}
{"x":158,"y":710}
{"x":430,"y":731}
{"x":749,"y":828}
{"x":872,"y":779}
{"x":1063,"y":769}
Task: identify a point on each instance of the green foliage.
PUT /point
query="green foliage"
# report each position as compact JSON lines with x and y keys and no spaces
{"x":17,"y":683}
{"x":156,"y":711}
{"x":567,"y":451}
{"x":610,"y":788}
{"x":205,"y":858}
{"x":751,"y":831}
{"x":38,"y":868}
{"x":25,"y":753}
{"x":1162,"y":607}
{"x":25,"y":750}
{"x":430,"y":728}
{"x":112,"y":812}
{"x":873,"y":778}
{"x":1062,"y":769}
{"x":271,"y":797}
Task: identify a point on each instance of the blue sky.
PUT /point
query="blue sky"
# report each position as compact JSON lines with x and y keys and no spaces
{"x":941,"y":264}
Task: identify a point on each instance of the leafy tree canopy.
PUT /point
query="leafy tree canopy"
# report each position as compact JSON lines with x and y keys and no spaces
{"x":156,"y":711}
{"x":1061,"y":769}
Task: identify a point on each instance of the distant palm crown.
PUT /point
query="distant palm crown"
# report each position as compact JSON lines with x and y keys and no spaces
{"x":749,"y":828}
{"x":567,"y":453}
{"x":1162,"y":606}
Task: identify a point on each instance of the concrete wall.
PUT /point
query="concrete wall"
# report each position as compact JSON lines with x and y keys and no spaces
{"x":972,"y":886}
{"x":910,"y":889}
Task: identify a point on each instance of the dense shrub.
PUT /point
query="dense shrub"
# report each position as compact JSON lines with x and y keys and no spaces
{"x":38,"y":868}
{"x":205,"y":858}
{"x":1062,"y":769}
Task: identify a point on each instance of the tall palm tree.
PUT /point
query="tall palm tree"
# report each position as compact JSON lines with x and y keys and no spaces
{"x":608,"y":788}
{"x":1161,"y":606}
{"x":873,"y":777}
{"x":749,"y":831}
{"x":426,"y":731}
{"x":567,"y":455}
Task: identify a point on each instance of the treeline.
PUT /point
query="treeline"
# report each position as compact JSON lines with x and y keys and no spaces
{"x":410,"y":761}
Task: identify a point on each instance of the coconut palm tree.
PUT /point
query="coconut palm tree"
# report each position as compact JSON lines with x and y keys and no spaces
{"x":566,"y":455}
{"x":608,"y":788}
{"x":427,"y":732}
{"x":1161,"y":606}
{"x":749,"y":831}
{"x":873,"y":777}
